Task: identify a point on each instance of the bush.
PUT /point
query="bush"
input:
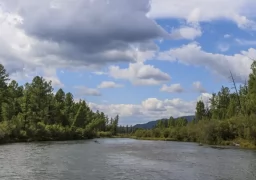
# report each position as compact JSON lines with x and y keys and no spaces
{"x":104,"y":134}
{"x":156,"y":133}
{"x":166,"y":133}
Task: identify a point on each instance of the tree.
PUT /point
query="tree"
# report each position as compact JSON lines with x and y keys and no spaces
{"x":33,"y":112}
{"x":171,"y":122}
{"x":4,"y":77}
{"x":200,"y":110}
{"x":252,"y":90}
{"x":79,"y":120}
{"x":115,"y":124}
{"x":224,"y":99}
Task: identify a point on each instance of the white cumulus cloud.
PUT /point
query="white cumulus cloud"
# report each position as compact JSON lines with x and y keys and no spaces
{"x":173,"y":88}
{"x":85,"y":91}
{"x":219,"y":64}
{"x":197,"y":85}
{"x":186,"y":32}
{"x":242,"y":12}
{"x":109,"y":84}
{"x":139,"y":74}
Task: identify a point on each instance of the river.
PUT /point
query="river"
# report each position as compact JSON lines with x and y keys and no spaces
{"x":127,"y":159}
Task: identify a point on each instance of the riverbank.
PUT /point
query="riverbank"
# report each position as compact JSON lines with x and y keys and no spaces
{"x":10,"y":141}
{"x":154,"y":139}
{"x":42,"y":139}
{"x":234,"y":144}
{"x":243,"y":144}
{"x":74,"y":137}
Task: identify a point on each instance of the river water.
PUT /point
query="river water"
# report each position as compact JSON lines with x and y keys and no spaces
{"x":127,"y":159}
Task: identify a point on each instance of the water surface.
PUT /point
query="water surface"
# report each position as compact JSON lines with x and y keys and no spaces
{"x":126,"y":159}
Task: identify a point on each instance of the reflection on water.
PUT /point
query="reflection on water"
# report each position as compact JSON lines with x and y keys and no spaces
{"x":124,"y":159}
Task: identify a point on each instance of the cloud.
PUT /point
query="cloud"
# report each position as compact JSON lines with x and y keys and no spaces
{"x":189,"y":33}
{"x":106,"y":24}
{"x":242,"y":12}
{"x":173,"y":88}
{"x":91,"y":34}
{"x":139,"y":74}
{"x":245,"y":42}
{"x":109,"y":84}
{"x":227,"y":36}
{"x":150,"y":109}
{"x":219,"y":64}
{"x":118,"y":31}
{"x":153,"y":104}
{"x":124,"y":110}
{"x":205,"y":97}
{"x":223,"y":47}
{"x":99,"y":73}
{"x":198,"y":87}
{"x":48,"y":73}
{"x":14,"y":45}
{"x":85,"y":91}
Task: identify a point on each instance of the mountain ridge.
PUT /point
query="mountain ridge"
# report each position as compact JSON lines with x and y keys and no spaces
{"x":152,"y":124}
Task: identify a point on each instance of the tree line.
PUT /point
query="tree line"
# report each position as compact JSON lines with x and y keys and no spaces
{"x":33,"y":112}
{"x":229,"y":117}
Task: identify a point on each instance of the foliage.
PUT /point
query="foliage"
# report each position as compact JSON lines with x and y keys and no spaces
{"x":33,"y":112}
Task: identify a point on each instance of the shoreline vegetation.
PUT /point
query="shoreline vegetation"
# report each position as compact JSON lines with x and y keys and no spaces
{"x":202,"y":138}
{"x":223,"y":145}
{"x":33,"y":112}
{"x":227,"y":119}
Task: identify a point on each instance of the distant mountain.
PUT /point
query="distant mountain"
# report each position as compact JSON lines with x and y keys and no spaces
{"x":151,"y":124}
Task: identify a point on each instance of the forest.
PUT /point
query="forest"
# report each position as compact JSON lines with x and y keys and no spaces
{"x":33,"y":112}
{"x":228,"y":118}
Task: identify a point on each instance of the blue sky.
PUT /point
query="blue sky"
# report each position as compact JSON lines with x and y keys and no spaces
{"x":142,"y":60}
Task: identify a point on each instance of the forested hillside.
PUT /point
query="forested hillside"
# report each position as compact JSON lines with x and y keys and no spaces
{"x":152,"y":124}
{"x":229,"y":117}
{"x":34,"y":112}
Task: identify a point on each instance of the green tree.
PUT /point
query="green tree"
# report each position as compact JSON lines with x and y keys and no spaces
{"x":252,"y":90}
{"x":4,"y":77}
{"x":33,"y":112}
{"x":115,"y":124}
{"x":200,"y":110}
{"x":80,"y":117}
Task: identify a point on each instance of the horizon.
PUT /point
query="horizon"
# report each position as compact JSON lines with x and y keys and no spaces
{"x":128,"y":58}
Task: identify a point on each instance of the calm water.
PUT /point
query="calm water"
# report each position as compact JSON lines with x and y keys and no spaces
{"x":125,"y":159}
